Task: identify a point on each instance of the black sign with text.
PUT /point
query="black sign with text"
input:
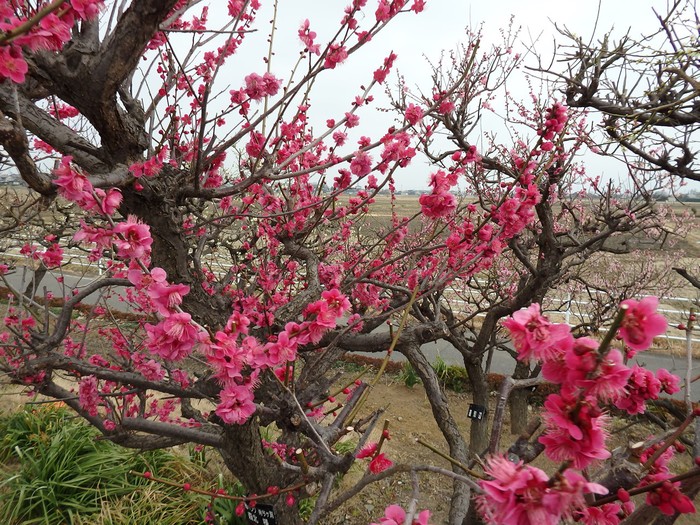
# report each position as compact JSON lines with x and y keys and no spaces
{"x":476,"y":411}
{"x":260,"y":515}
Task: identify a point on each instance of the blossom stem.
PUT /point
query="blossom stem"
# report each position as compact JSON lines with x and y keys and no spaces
{"x":612,"y":332}
{"x":217,"y":494}
{"x":27,"y":26}
{"x":340,"y":390}
{"x":671,"y":439}
{"x":302,"y":461}
{"x":451,"y":459}
{"x":646,"y":488}
{"x":382,"y":438}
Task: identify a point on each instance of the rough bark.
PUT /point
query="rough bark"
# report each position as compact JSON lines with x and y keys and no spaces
{"x":439,"y":405}
{"x":518,"y":401}
{"x":244,"y":456}
{"x":479,"y":429}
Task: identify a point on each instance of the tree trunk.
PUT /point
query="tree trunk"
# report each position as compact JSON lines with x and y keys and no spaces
{"x":244,"y":456}
{"x":518,"y":401}
{"x":448,"y":426}
{"x":479,"y":431}
{"x":32,"y":287}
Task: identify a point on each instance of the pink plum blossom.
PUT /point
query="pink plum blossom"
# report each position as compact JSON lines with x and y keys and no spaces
{"x":575,"y":431}
{"x":307,"y":37}
{"x":395,"y":515}
{"x":173,"y":338}
{"x":337,"y":54}
{"x":669,"y":382}
{"x":166,"y":297}
{"x":236,"y":404}
{"x":519,"y":494}
{"x":414,"y":114}
{"x":88,"y":395}
{"x":534,"y":336}
{"x":438,"y":204}
{"x":361,"y":164}
{"x":134,"y":238}
{"x":379,"y":463}
{"x":603,"y":515}
{"x":12,"y":64}
{"x":641,"y":323}
{"x":226,"y":357}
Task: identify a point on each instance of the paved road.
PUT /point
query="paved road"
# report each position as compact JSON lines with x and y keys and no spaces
{"x":502,"y":363}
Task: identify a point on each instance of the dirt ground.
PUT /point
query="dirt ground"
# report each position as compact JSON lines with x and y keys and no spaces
{"x":410,"y":418}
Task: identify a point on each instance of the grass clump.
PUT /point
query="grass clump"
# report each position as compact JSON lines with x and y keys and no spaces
{"x":409,"y":376}
{"x":451,"y":376}
{"x":55,"y":470}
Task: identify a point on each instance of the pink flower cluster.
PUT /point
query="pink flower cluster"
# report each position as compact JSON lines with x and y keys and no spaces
{"x":258,"y":87}
{"x":238,"y":358}
{"x":641,"y":323}
{"x":307,"y":37}
{"x":381,"y":73}
{"x":519,"y":494}
{"x":440,"y":202}
{"x":151,"y":166}
{"x":173,"y":338}
{"x":554,"y":123}
{"x":336,"y":54}
{"x":88,"y":395}
{"x":76,"y":187}
{"x":667,"y":497}
{"x":49,"y":32}
{"x":379,"y":461}
{"x":576,"y":423}
{"x":395,"y":515}
{"x":414,"y":114}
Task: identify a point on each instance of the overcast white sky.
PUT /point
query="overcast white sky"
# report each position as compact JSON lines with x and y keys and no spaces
{"x":440,"y":27}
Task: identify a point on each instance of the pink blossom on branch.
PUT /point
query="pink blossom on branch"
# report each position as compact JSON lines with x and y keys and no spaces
{"x":367,"y":451}
{"x":575,"y":431}
{"x":361,"y":164}
{"x":337,"y":54}
{"x":12,"y":64}
{"x":133,"y":239}
{"x":381,"y":73}
{"x":88,"y":395}
{"x":173,"y":338}
{"x":166,"y":297}
{"x":380,"y":463}
{"x":534,"y":336}
{"x":258,"y":87}
{"x":53,"y":256}
{"x":641,"y":323}
{"x":414,"y":114}
{"x":236,"y":404}
{"x":438,"y":204}
{"x":307,"y":37}
{"x":50,"y":33}
{"x":395,"y":515}
{"x":519,"y":494}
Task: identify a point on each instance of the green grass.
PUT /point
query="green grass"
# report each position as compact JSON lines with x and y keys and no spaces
{"x":451,"y":376}
{"x":408,"y":375}
{"x":54,"y":470}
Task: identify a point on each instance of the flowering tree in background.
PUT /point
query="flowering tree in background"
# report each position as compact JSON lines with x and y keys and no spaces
{"x":203,"y":203}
